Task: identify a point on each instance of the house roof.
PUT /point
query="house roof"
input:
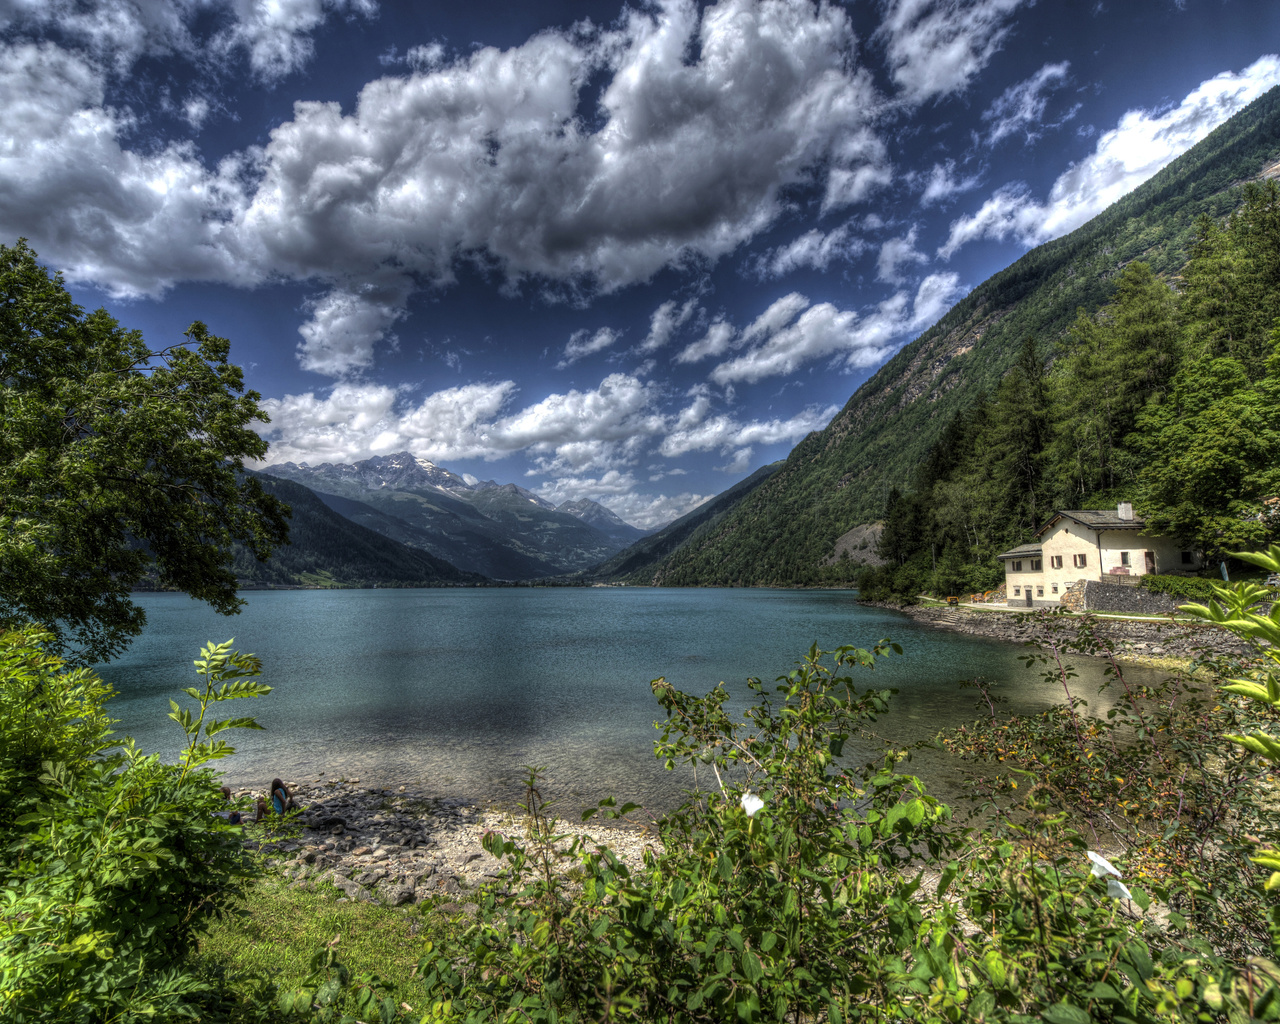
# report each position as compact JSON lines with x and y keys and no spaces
{"x":1094,"y":519}
{"x":1025,"y":551}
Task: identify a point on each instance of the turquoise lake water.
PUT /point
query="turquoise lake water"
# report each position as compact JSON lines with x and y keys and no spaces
{"x":455,"y":690}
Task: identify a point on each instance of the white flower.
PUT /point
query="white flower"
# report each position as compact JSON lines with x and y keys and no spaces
{"x":751,"y":803}
{"x":1118,"y":890}
{"x":1101,"y":866}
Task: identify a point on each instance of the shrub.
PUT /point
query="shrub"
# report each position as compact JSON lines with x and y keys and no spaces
{"x":1194,"y":587}
{"x":114,"y":861}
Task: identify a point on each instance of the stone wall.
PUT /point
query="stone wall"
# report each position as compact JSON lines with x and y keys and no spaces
{"x":1123,"y":600}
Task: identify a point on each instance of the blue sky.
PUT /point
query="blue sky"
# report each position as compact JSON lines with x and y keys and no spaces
{"x":621,"y":252}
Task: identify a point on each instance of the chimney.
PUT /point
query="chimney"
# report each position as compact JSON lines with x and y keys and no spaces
{"x":1124,"y":511}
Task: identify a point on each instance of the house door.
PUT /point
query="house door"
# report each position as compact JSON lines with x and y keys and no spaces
{"x":1028,"y":589}
{"x":1151,"y":560}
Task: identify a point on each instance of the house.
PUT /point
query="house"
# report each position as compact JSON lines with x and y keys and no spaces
{"x":1088,"y":544}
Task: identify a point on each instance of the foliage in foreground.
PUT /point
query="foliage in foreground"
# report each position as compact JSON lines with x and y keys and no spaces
{"x":1117,"y":871}
{"x":797,"y":890}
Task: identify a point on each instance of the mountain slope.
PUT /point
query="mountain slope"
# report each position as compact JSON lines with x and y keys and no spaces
{"x":840,"y":477}
{"x":500,"y":530}
{"x":325,"y":546}
{"x":637,"y":564}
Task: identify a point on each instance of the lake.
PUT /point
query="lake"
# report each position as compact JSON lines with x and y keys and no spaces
{"x":455,"y":689}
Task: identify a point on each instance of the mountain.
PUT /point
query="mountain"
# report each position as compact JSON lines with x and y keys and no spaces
{"x":638,"y":563}
{"x":327,"y":549}
{"x":603,"y":519}
{"x":500,"y":530}
{"x":841,"y":477}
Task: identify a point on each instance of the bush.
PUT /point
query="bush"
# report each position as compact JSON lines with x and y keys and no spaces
{"x":114,"y":862}
{"x":1186,"y":587}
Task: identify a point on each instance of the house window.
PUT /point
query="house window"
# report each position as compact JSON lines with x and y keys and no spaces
{"x":1187,"y":559}
{"x":1036,"y":565}
{"x":1055,"y":588}
{"x":1017,"y":591}
{"x":1124,"y":558}
{"x":1079,"y":561}
{"x":1017,"y":567}
{"x":1039,"y":591}
{"x":1055,"y":562}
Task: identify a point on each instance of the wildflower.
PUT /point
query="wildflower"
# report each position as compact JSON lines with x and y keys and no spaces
{"x":1118,"y":890}
{"x":751,"y":803}
{"x":1101,"y":866}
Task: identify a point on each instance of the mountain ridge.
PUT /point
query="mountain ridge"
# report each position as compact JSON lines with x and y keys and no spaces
{"x":840,"y":477}
{"x":502,"y":531}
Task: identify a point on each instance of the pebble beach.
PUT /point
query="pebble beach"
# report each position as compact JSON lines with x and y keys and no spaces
{"x":401,"y":846}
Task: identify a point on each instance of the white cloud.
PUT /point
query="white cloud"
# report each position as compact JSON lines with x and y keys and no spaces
{"x":935,"y":47}
{"x":195,"y":111}
{"x":1020,"y":108}
{"x":715,"y":342}
{"x":277,"y":33}
{"x":732,"y":437}
{"x":894,"y":254}
{"x":356,"y":421}
{"x":1139,"y":146}
{"x":814,"y":249}
{"x":274,"y":34}
{"x":941,"y":183}
{"x":616,"y":492}
{"x":823,"y":330}
{"x":486,"y":158}
{"x":133,"y":223}
{"x":345,"y":324}
{"x":584,"y":343}
{"x":666,"y":320}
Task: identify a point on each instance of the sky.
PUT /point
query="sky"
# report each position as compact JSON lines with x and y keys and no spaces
{"x":629,"y":252}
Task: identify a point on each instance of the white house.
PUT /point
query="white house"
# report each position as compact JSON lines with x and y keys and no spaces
{"x":1088,"y":544}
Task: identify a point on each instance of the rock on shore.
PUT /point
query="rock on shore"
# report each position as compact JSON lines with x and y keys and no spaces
{"x":398,"y":846}
{"x":1131,"y":638}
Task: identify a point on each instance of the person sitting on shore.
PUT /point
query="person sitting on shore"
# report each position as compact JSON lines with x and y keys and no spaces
{"x":281,"y":800}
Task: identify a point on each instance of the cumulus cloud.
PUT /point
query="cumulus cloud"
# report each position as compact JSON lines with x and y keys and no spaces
{"x":894,"y":254}
{"x":277,"y":36}
{"x":941,"y":183}
{"x":346,"y":323}
{"x":133,"y":223}
{"x":731,"y":437}
{"x":274,"y":35}
{"x":666,"y":320}
{"x":823,"y":331}
{"x":488,"y":157}
{"x":935,"y":47}
{"x":584,"y":343}
{"x":715,"y":342}
{"x":814,"y":250}
{"x":1139,"y":146}
{"x":1020,"y":108}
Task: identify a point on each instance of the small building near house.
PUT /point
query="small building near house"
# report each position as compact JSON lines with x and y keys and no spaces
{"x":1088,"y":544}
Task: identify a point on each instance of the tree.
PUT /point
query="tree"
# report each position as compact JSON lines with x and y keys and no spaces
{"x":117,"y":462}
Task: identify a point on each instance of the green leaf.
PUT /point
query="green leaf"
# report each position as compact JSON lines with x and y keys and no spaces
{"x":1065,"y":1013}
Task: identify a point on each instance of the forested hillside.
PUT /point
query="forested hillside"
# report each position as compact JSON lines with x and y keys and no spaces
{"x":915,"y":410}
{"x":637,"y":563}
{"x":327,"y":549}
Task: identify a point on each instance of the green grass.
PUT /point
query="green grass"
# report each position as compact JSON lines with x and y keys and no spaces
{"x":279,"y":929}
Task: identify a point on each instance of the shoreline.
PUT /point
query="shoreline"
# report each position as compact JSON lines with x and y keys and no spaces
{"x":1170,"y":643}
{"x":402,"y":846}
